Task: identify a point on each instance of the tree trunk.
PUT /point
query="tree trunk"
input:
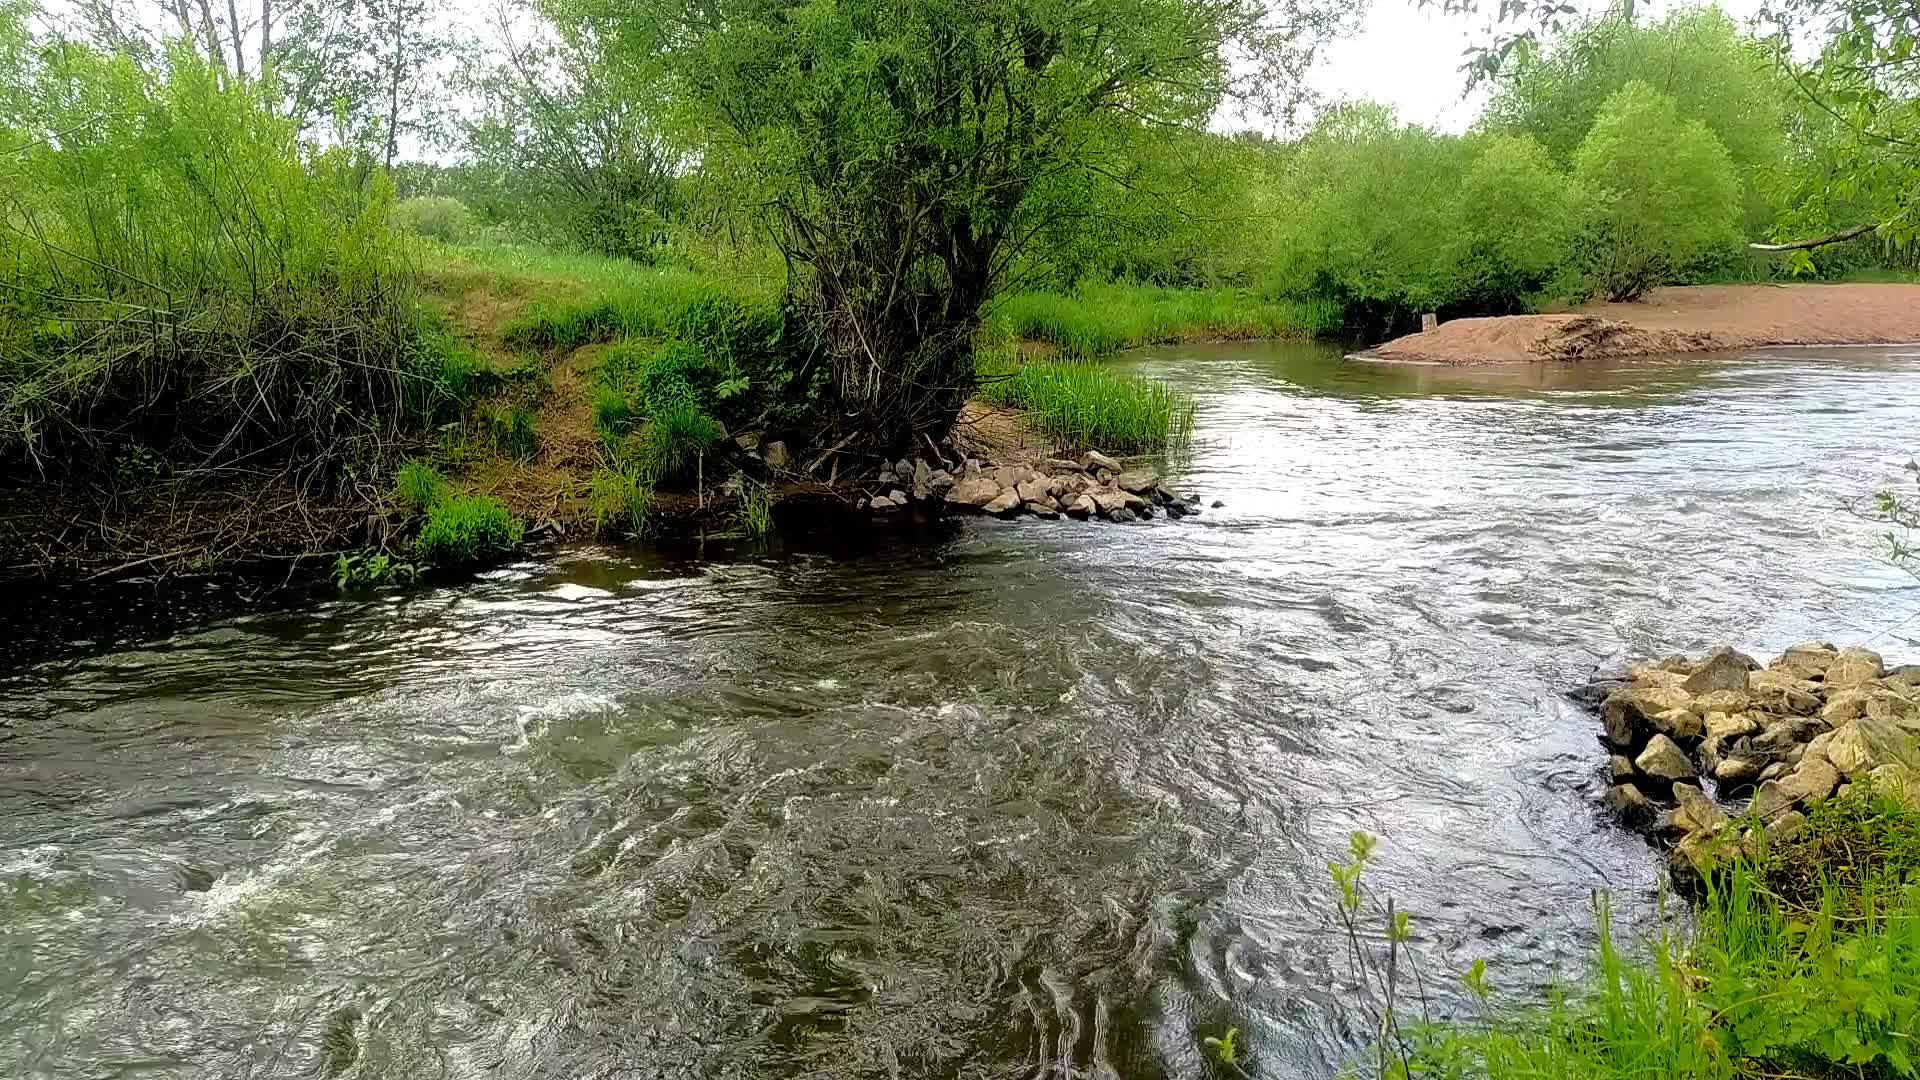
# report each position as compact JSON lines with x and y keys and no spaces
{"x":396,"y":61}
{"x":239,"y":45}
{"x":266,"y":33}
{"x":215,"y":51}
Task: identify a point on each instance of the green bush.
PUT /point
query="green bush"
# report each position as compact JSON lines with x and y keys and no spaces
{"x":1661,"y":194}
{"x":418,"y":486}
{"x":195,"y":278}
{"x":441,"y":217}
{"x":467,"y":530}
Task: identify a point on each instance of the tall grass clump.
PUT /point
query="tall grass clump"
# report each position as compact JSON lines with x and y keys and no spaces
{"x":1094,"y":320}
{"x":177,"y":270}
{"x":1089,"y":406}
{"x":620,"y":497}
{"x":467,"y":530}
{"x":418,"y":486}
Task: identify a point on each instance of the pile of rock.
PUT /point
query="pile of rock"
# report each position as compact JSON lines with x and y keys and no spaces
{"x":1094,"y":487}
{"x":1770,"y":739}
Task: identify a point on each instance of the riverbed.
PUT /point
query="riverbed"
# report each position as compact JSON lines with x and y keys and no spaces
{"x":1007,"y":797}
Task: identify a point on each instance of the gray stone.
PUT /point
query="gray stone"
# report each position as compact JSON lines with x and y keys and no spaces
{"x":1033,"y":491}
{"x":1898,"y":780}
{"x":1726,"y":701}
{"x":1621,"y":766}
{"x":1060,"y":465}
{"x":1045,"y":509}
{"x":939,"y":483}
{"x":1723,"y":726}
{"x":1007,"y":502}
{"x":1845,"y":705}
{"x":922,"y":480}
{"x":1806,"y":661}
{"x":1724,"y":670}
{"x":974,"y":491}
{"x":1629,"y":803}
{"x":748,"y":441}
{"x":1125,"y":515}
{"x":1082,"y":506}
{"x":904,"y":468}
{"x":1679,"y":724}
{"x":1785,"y":827}
{"x":1111,"y":501}
{"x":1094,"y":460}
{"x":891,"y":503}
{"x":1139,"y":481}
{"x":1629,"y":713}
{"x":777,"y":457}
{"x":1853,"y":667}
{"x":1664,"y":760}
{"x":1737,"y":771}
{"x":1863,"y":745}
{"x":1695,"y":812}
{"x":1217,"y":504}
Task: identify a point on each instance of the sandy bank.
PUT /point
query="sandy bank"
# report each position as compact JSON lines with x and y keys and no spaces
{"x":1695,"y":318}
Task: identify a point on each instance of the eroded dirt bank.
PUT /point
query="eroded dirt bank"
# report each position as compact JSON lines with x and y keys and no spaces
{"x":1695,"y":318}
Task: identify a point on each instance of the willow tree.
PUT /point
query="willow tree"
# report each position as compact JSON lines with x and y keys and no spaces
{"x":905,"y":151}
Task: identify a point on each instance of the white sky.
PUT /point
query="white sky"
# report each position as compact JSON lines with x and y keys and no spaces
{"x":1410,"y":58}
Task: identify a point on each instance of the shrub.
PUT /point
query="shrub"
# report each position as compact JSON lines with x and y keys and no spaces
{"x":441,"y":217}
{"x":467,"y":530}
{"x":1661,"y":193}
{"x":1097,"y":319}
{"x":196,"y":279}
{"x":418,"y":486}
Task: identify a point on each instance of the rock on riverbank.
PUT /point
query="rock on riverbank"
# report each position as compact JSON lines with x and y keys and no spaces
{"x":1696,"y":743}
{"x":1094,"y":487}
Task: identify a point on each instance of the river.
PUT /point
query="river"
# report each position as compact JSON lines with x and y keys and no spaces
{"x":1011,"y":797}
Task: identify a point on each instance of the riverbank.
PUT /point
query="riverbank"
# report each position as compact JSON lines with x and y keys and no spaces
{"x":1790,"y":800}
{"x":603,"y":398}
{"x":1682,"y":319}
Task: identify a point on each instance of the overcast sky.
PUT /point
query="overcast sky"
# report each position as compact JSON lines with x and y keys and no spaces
{"x":1410,"y":59}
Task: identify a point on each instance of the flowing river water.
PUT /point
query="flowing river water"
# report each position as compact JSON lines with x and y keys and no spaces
{"x":1010,"y":800}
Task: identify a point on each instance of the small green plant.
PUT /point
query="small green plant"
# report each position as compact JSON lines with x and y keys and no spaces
{"x":438,"y":216}
{"x":620,"y":496}
{"x":1222,"y":1051}
{"x":418,"y":485}
{"x":468,"y":530}
{"x":756,"y":510}
{"x":511,"y":429}
{"x":370,"y":570}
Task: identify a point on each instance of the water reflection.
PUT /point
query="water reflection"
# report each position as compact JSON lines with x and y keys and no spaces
{"x":1024,"y":795}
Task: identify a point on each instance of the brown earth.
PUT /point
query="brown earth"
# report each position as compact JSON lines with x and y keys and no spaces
{"x":1694,"y":318}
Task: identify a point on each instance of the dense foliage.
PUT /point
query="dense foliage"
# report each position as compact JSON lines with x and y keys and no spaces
{"x":180,"y":273}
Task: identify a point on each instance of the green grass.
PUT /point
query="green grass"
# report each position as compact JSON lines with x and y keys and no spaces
{"x":1802,"y":962}
{"x":1099,"y":319}
{"x":1088,"y":405}
{"x":467,"y":530}
{"x":418,"y":485}
{"x":511,"y":429}
{"x":756,"y":511}
{"x":619,"y":496}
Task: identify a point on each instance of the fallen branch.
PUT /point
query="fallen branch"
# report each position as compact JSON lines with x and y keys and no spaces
{"x":1822,"y":241}
{"x":111,"y":571}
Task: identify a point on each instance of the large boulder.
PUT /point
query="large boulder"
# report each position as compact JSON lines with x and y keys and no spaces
{"x":1725,"y":726}
{"x":1813,"y":778}
{"x":1630,"y":804}
{"x":1138,"y":481}
{"x":1898,"y":780}
{"x":975,"y":491}
{"x":1630,"y":715}
{"x":1806,"y":661}
{"x":1783,"y":692}
{"x":1680,"y":724}
{"x":1866,"y":744}
{"x":1082,"y":506}
{"x":1737,"y":770}
{"x":776,"y":455}
{"x":1094,"y":461}
{"x":1033,"y":490}
{"x":1853,"y":667}
{"x":1844,"y":705}
{"x":1694,"y":811}
{"x":1664,"y":760}
{"x":1007,"y":502}
{"x":1725,"y":669}
{"x":1727,"y":701}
